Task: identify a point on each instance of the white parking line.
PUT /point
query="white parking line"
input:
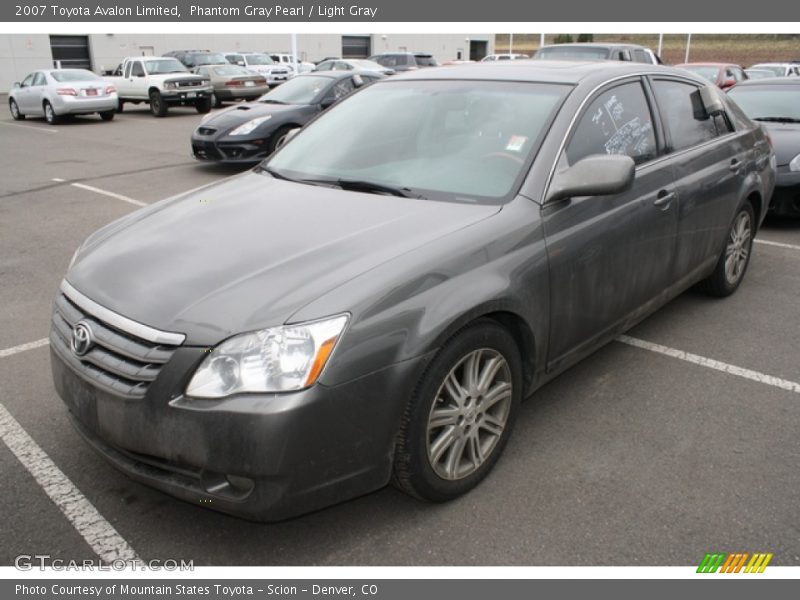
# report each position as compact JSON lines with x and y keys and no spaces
{"x":30,"y":127}
{"x":24,"y":347}
{"x":710,"y":363}
{"x":90,"y":188}
{"x":778,"y":244}
{"x":101,"y":536}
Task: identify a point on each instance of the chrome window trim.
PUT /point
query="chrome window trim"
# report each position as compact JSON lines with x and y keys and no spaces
{"x":590,"y":96}
{"x":125,"y":324}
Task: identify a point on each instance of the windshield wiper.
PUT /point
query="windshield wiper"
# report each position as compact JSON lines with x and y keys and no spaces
{"x":278,"y":174}
{"x":271,"y":101}
{"x":777,"y":119}
{"x":360,"y":185}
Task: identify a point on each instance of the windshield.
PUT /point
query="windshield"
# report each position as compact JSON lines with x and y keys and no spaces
{"x":164,"y":65}
{"x":210,"y":58}
{"x":768,"y":102}
{"x":467,"y":141}
{"x":709,"y":73}
{"x":73,"y":75}
{"x":258,"y":59}
{"x":572,"y":53}
{"x":776,"y":69}
{"x":301,"y":90}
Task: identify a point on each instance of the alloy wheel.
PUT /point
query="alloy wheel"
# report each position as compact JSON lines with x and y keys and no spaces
{"x":14,"y":109}
{"x":469,"y":414}
{"x":738,"y":248}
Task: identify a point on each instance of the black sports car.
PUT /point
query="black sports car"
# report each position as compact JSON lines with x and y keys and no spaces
{"x":249,"y":132}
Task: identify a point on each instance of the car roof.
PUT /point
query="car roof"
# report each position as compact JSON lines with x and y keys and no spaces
{"x":776,"y":64}
{"x":592,"y":45}
{"x":707,"y":64}
{"x":770,"y":81}
{"x":544,"y":71}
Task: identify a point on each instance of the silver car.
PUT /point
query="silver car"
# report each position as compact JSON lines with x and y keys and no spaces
{"x":54,"y":93}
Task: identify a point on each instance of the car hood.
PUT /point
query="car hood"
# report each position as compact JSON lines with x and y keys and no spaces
{"x":785,"y":139}
{"x":248,"y":252}
{"x":241,"y":113}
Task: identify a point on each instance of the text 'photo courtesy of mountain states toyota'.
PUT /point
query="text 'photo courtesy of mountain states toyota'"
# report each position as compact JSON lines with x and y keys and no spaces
{"x":372,"y":303}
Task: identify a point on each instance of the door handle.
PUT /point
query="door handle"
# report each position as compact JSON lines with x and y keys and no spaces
{"x":736,"y":164}
{"x":664,"y":199}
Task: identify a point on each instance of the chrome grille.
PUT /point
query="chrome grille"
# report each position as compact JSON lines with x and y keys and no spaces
{"x":119,"y":361}
{"x":189,"y":84}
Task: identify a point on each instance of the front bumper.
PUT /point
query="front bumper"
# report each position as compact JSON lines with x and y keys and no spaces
{"x":785,"y":200}
{"x":186,"y":96}
{"x":249,"y":150}
{"x":264,"y":457}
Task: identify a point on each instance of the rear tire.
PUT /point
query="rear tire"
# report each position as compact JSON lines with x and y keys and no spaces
{"x":158,"y":107}
{"x":732,"y":264}
{"x":49,"y":114}
{"x":107,"y":115}
{"x":120,"y":105}
{"x":203,"y":105}
{"x":14,"y":108}
{"x":460,"y":415}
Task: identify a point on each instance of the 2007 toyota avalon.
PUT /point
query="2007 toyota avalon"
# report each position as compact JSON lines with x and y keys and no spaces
{"x":372,"y":302}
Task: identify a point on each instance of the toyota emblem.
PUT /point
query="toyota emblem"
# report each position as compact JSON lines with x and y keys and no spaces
{"x":82,"y":338}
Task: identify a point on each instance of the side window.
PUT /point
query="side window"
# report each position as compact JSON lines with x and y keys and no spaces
{"x":27,"y":81}
{"x":343,"y":66}
{"x":202,"y":71}
{"x":738,"y":74}
{"x":618,"y":121}
{"x":325,"y":66}
{"x":684,"y":118}
{"x":128,"y":69}
{"x":39,"y":79}
{"x":640,"y":55}
{"x":342,"y":88}
{"x":137,"y":70}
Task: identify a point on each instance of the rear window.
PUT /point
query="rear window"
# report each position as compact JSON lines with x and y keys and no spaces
{"x":573,"y":53}
{"x":425,"y":61}
{"x":768,"y":102}
{"x":73,"y":75}
{"x":231,"y":71}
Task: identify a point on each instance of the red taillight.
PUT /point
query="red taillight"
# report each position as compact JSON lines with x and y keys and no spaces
{"x":110,"y":89}
{"x":261,"y":82}
{"x":66,"y":92}
{"x":234,"y":83}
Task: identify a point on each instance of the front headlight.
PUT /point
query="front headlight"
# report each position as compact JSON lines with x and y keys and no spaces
{"x":278,"y":359}
{"x":246,"y":128}
{"x":170,"y":85}
{"x":794,"y":165}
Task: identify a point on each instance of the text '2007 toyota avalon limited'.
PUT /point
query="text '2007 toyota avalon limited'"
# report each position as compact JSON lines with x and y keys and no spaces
{"x":373,"y":301}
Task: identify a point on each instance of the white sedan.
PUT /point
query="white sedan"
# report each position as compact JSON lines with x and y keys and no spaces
{"x":54,"y":93}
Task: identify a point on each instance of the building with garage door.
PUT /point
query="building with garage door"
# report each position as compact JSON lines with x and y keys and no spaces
{"x":22,"y":53}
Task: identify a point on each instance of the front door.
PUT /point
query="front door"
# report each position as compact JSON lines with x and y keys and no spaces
{"x":609,"y":255}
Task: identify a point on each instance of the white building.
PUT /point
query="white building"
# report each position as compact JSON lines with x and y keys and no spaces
{"x":22,"y":53}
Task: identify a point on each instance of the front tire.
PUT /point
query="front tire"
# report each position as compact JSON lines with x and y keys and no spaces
{"x":49,"y":114}
{"x":461,"y":414}
{"x":203,"y":105}
{"x":733,"y":262}
{"x":14,"y":108}
{"x":278,"y":138}
{"x":120,"y":105}
{"x":157,"y":105}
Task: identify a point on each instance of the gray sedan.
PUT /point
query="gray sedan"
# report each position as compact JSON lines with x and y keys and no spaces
{"x":54,"y":93}
{"x":374,"y":301}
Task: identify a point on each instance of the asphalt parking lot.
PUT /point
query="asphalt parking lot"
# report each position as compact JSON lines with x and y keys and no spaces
{"x":634,"y":457}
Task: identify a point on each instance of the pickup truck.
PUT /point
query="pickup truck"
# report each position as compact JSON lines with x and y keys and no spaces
{"x":162,"y":82}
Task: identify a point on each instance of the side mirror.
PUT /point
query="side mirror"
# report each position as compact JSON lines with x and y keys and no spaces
{"x":711,"y":100}
{"x":240,"y":63}
{"x":595,"y":175}
{"x":17,"y":84}
{"x":358,"y":81}
{"x":291,"y":133}
{"x":727,"y":83}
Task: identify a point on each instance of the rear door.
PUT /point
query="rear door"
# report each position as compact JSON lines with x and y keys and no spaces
{"x":23,"y":95}
{"x":610,"y":255}
{"x":709,"y":160}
